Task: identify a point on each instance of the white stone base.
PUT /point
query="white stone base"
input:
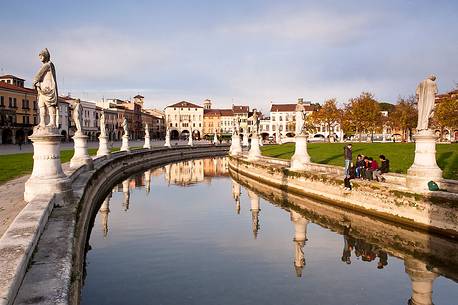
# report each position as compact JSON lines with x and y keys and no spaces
{"x":254,"y":152}
{"x":81,"y":156}
{"x":125,"y":143}
{"x":103,"y":147}
{"x":167,"y":142}
{"x":47,"y":174}
{"x":245,"y":140}
{"x":190,"y":143}
{"x":301,"y":158}
{"x":235,"y":148}
{"x":424,"y":167}
{"x":147,"y":143}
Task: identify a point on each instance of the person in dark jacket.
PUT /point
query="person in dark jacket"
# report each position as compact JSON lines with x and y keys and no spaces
{"x":384,"y":168}
{"x":348,"y":158}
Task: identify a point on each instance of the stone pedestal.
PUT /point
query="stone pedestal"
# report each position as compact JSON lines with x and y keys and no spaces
{"x":190,"y":143}
{"x":103,"y":147}
{"x":424,"y":167}
{"x":81,"y":156}
{"x":254,"y":152}
{"x":215,"y":139}
{"x":301,"y":158}
{"x":167,"y":141}
{"x":47,"y":174}
{"x":245,"y":140}
{"x":260,"y":141}
{"x":422,"y":282}
{"x":235,"y":148}
{"x":147,"y":143}
{"x":300,"y":237}
{"x":125,"y":143}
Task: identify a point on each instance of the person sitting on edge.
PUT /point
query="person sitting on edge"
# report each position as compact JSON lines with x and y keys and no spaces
{"x":373,"y":166}
{"x":365,"y":167}
{"x":384,"y":168}
{"x":359,"y":166}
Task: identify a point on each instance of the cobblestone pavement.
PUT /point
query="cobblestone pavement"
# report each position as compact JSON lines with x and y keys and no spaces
{"x":12,"y":202}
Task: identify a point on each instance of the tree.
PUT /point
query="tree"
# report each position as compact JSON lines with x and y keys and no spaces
{"x":446,"y":114}
{"x":404,"y":116}
{"x":363,"y":114}
{"x":328,"y":114}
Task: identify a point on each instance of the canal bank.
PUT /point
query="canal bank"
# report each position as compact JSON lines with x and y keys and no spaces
{"x":433,"y":212}
{"x":43,"y":250}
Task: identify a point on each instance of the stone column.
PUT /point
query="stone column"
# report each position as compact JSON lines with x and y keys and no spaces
{"x":81,"y":156}
{"x":254,"y":152}
{"x":147,"y":144}
{"x":125,"y":143}
{"x":148,"y":181}
{"x":422,"y":282}
{"x":235,"y":148}
{"x":103,"y":146}
{"x":47,"y":174}
{"x":424,"y":167}
{"x":104,"y":211}
{"x":300,"y":237}
{"x":245,"y":139}
{"x":255,"y":209}
{"x":301,"y":158}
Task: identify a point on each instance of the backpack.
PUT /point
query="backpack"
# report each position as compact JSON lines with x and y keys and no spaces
{"x":432,"y":186}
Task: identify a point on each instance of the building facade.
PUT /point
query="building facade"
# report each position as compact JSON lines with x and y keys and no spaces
{"x":183,"y":117}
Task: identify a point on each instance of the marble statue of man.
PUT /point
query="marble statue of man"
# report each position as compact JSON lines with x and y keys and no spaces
{"x":146,"y":130}
{"x":103,"y":130}
{"x":255,"y":121}
{"x":125,"y":127}
{"x":78,"y":116}
{"x":426,"y":96}
{"x":46,"y":84}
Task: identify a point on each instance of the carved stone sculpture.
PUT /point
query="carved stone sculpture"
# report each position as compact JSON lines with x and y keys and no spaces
{"x":426,"y":96}
{"x":78,"y":116}
{"x":125,"y":127}
{"x":46,"y":84}
{"x":146,"y":130}
{"x":103,"y":130}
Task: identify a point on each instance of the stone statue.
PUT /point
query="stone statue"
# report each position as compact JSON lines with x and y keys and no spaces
{"x":78,"y":116}
{"x":146,"y":130}
{"x":125,"y":127}
{"x":426,"y":95}
{"x":103,"y":131}
{"x":255,"y":121}
{"x":46,"y":84}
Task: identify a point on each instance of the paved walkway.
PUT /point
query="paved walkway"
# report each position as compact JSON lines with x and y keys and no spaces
{"x":12,"y":202}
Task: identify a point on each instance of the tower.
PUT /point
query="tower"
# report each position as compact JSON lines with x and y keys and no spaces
{"x":207,"y":104}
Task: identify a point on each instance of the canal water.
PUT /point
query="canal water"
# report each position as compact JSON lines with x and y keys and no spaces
{"x":188,"y":233}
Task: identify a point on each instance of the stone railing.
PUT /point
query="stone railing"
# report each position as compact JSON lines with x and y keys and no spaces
{"x":42,"y":252}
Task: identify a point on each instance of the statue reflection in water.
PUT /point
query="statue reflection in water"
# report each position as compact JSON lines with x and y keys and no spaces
{"x":300,"y":237}
{"x":126,"y":192}
{"x":148,"y":181}
{"x":364,"y":250}
{"x":254,"y":199}
{"x":104,"y":211}
{"x":236,"y":192}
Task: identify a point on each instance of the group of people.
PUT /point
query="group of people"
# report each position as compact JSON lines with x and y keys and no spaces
{"x":364,"y":168}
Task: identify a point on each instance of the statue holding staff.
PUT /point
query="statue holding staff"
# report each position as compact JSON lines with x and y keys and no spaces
{"x":426,"y":96}
{"x":46,"y":84}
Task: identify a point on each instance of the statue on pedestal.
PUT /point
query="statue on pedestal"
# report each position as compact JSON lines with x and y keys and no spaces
{"x":146,"y":130}
{"x":426,"y":96}
{"x":46,"y":84}
{"x":103,"y":131}
{"x":125,"y":127}
{"x":255,"y":119}
{"x":78,"y":116}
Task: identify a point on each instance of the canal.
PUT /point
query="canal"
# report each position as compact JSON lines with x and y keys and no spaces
{"x":189,"y":233}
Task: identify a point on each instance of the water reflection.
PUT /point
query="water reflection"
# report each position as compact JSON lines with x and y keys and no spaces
{"x":339,"y":240}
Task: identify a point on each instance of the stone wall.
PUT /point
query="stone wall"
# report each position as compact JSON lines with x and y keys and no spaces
{"x":436,"y":211}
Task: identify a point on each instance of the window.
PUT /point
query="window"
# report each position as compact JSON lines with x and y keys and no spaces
{"x":2,"y":101}
{"x":35,"y":105}
{"x":10,"y":102}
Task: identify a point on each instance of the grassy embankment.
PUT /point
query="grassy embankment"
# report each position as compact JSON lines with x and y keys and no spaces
{"x":400,"y":154}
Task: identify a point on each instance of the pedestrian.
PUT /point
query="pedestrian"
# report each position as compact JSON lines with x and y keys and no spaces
{"x":19,"y":143}
{"x":348,"y":158}
{"x":384,"y":168}
{"x":359,"y":166}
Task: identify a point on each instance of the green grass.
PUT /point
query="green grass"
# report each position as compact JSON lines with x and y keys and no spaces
{"x":15,"y":165}
{"x":400,"y":154}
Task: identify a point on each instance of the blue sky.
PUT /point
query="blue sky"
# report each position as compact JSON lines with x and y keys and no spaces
{"x":250,"y":52}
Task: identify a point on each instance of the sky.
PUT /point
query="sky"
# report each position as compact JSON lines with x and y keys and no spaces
{"x":233,"y":52}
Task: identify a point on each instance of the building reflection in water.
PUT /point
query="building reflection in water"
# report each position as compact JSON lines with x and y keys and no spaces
{"x":236,"y":192}
{"x":254,"y":200}
{"x":300,"y":237}
{"x":104,"y":211}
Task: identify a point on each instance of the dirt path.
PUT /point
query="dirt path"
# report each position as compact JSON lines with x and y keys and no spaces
{"x":11,"y":201}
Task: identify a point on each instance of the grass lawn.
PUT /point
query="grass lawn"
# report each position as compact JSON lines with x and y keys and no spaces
{"x":400,"y":154}
{"x":15,"y":165}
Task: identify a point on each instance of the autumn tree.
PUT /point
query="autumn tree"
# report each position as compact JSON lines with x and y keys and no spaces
{"x":363,"y":114}
{"x":327,"y":115}
{"x":404,"y":116}
{"x":446,"y":114}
